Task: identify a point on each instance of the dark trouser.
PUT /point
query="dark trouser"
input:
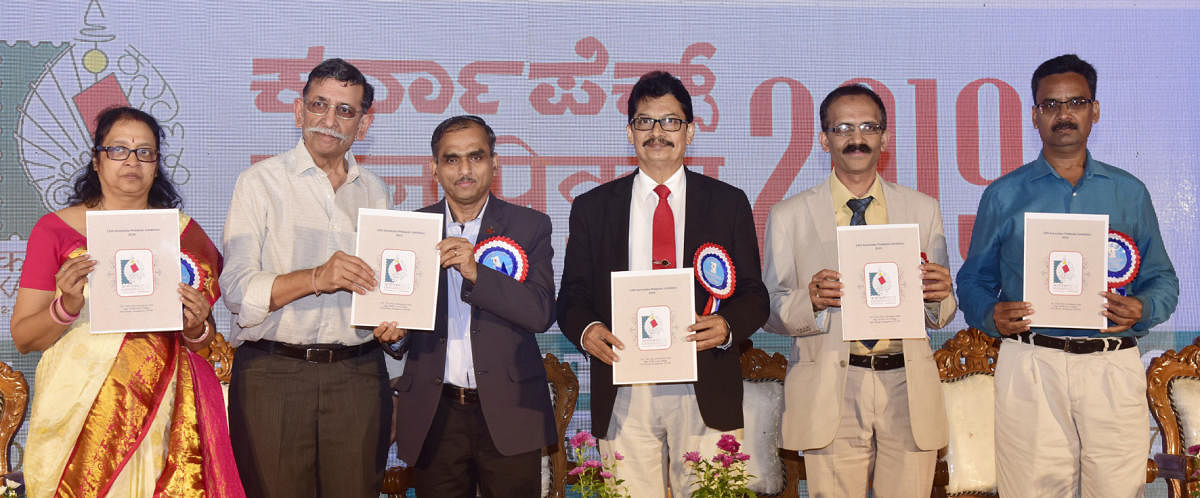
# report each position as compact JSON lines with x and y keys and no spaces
{"x":303,"y":429}
{"x":458,"y":455}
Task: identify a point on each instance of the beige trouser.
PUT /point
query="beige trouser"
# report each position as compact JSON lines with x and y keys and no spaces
{"x":1070,"y":422}
{"x":874,"y":437}
{"x":652,"y":426}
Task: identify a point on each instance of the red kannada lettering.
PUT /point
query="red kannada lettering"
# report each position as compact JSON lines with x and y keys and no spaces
{"x":565,"y":73}
{"x":686,"y":70}
{"x":467,"y":77}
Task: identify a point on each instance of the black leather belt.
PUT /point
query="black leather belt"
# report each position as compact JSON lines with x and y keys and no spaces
{"x":316,"y":353}
{"x":460,"y":395}
{"x":1083,"y":345}
{"x":878,"y":362}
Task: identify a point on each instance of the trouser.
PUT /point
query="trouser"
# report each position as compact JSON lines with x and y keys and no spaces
{"x":873,"y":444}
{"x":302,"y":429}
{"x":652,"y":426}
{"x":1070,"y":422}
{"x":458,"y":455}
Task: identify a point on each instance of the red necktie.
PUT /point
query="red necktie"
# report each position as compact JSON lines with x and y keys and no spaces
{"x":663,"y":251}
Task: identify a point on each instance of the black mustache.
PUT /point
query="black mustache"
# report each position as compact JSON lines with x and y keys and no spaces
{"x":1063,"y":125}
{"x":662,"y":141}
{"x":864,"y":148}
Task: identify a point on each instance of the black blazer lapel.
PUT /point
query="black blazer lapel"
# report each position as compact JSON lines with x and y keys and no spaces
{"x":618,"y":223}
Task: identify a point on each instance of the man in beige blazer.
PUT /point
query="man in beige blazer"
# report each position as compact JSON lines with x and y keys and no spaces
{"x":864,"y":414}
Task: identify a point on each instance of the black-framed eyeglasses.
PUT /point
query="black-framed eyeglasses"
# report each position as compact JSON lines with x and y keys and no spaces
{"x":320,"y":107}
{"x":847,"y":129}
{"x":1073,"y":104}
{"x":644,"y":123}
{"x":121,"y":153}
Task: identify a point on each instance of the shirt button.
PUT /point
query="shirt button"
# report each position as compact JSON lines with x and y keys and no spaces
{"x":1073,"y":194}
{"x":842,"y":363}
{"x":437,"y":380}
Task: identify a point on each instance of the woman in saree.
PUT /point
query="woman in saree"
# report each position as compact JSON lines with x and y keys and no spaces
{"x":126,"y":414}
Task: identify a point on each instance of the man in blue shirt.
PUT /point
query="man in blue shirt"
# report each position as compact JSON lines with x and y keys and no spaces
{"x":1071,"y":411}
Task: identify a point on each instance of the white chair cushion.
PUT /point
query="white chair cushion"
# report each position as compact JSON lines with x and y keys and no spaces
{"x":762,"y":408}
{"x":971,"y":414}
{"x":1184,"y":393}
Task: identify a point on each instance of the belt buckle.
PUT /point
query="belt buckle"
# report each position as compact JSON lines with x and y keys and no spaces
{"x":310,"y":357}
{"x":1111,"y":340}
{"x":462,"y":395}
{"x":873,"y":358}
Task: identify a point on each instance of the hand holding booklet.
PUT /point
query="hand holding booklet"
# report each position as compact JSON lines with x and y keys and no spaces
{"x":401,"y":247}
{"x":134,"y":287}
{"x":651,"y":313}
{"x":881,"y":282}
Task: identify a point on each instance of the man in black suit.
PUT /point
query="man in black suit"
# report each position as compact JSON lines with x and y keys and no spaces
{"x":622,"y":225}
{"x":474,"y":408}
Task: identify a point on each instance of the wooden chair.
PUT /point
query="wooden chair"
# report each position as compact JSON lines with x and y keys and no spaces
{"x":14,"y":396}
{"x":968,"y":354}
{"x":1166,"y":409}
{"x":758,"y":366}
{"x":220,"y":355}
{"x":565,"y":391}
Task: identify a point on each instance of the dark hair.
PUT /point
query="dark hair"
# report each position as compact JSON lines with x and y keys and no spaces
{"x":87,"y":185}
{"x":457,"y":123}
{"x":847,"y":90}
{"x":655,"y":84}
{"x":345,"y":72}
{"x":1069,"y":63}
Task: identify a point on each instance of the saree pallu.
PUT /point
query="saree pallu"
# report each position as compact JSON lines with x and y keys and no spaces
{"x":128,"y":415}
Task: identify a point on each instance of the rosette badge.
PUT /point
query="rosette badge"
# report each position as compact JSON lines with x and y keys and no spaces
{"x":714,"y":269}
{"x":1124,"y":260}
{"x":503,"y":255}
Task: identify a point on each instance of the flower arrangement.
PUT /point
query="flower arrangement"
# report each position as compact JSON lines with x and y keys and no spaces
{"x":595,"y":476}
{"x":722,"y":477}
{"x":11,"y":489}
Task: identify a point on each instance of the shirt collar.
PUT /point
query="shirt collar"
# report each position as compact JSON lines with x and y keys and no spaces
{"x":304,"y":163}
{"x":643,"y":185}
{"x":478,"y":218}
{"x":841,"y":194}
{"x":1091,"y":167}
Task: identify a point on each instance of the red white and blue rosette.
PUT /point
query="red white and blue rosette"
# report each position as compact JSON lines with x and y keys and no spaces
{"x":1124,"y":261}
{"x":714,"y":269}
{"x":191,"y":274}
{"x":503,"y":255}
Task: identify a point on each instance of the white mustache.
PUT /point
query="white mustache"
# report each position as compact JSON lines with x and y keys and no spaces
{"x":327,"y":131}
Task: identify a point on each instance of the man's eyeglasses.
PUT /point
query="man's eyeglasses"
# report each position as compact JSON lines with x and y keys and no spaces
{"x":847,"y":129}
{"x":1073,"y":104}
{"x":121,"y":153}
{"x":667,"y":124}
{"x":320,"y":107}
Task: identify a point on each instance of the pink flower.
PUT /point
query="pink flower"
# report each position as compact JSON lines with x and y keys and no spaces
{"x":1193,"y":449}
{"x":741,"y":457}
{"x":606,"y":474}
{"x":595,"y":464}
{"x":692,"y":456}
{"x":724,"y":459}
{"x":729,"y":443}
{"x":618,"y":456}
{"x":577,"y":470}
{"x":582,"y":438}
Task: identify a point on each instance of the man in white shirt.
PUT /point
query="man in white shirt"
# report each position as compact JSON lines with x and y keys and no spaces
{"x":657,"y":218}
{"x":308,"y":398}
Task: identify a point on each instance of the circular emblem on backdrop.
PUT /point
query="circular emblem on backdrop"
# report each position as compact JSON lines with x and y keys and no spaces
{"x":1124,"y":259}
{"x":503,"y":255}
{"x":714,"y":270}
